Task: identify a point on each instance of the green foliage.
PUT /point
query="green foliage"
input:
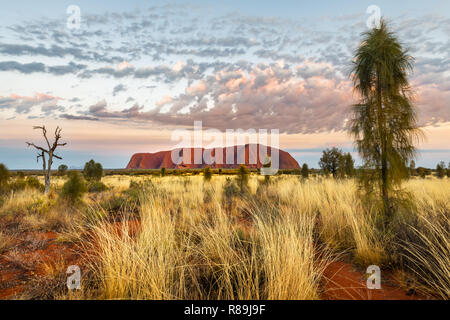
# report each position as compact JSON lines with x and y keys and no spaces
{"x":207,"y":173}
{"x":62,"y":170}
{"x":349,"y":165}
{"x":305,"y":171}
{"x":4,"y":175}
{"x":412,"y":168}
{"x":423,"y":172}
{"x":130,"y":199}
{"x":74,"y":188}
{"x":384,"y":124}
{"x":33,"y":183}
{"x":230,"y":189}
{"x":331,"y":161}
{"x":96,"y":186}
{"x":93,"y":170}
{"x":16,"y":185}
{"x":138,"y":190}
{"x":163,"y":172}
{"x":440,"y":170}
{"x":21,"y":184}
{"x":242,"y":179}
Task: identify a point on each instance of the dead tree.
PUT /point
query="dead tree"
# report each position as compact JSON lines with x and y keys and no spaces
{"x":47,"y":163}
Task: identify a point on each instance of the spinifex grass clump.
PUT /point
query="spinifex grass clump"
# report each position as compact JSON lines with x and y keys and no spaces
{"x":200,"y":251}
{"x":425,"y":252}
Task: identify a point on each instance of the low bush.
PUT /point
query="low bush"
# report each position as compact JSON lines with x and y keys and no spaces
{"x":74,"y":189}
{"x":207,"y":174}
{"x":96,"y":186}
{"x":21,"y":184}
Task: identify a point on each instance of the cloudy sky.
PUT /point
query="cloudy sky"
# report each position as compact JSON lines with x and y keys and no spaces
{"x":134,"y":71}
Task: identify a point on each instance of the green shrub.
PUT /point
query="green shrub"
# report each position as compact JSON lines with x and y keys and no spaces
{"x":96,"y":186}
{"x":62,"y":170}
{"x":163,"y":172}
{"x":138,"y":189}
{"x":440,"y":170}
{"x":207,"y":174}
{"x":16,"y":185}
{"x":74,"y":188}
{"x":242,"y":179}
{"x":21,"y":184}
{"x":230,"y":189}
{"x":20,"y":175}
{"x":33,"y":183}
{"x":305,"y":171}
{"x":93,"y":170}
{"x":4,"y":175}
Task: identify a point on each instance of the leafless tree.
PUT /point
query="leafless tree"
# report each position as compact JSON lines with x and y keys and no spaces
{"x":47,"y":162}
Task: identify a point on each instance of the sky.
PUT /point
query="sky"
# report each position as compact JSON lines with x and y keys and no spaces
{"x":135,"y":71}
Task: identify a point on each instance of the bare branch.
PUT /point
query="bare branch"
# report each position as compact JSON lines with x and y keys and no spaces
{"x":44,"y":133}
{"x":30,"y":144}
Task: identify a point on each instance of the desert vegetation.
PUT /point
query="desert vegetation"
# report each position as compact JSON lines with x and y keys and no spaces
{"x":218,"y":236}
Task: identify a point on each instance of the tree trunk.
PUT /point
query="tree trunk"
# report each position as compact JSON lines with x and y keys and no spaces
{"x":44,"y":170}
{"x":47,"y":183}
{"x":384,"y":162}
{"x":48,"y":172}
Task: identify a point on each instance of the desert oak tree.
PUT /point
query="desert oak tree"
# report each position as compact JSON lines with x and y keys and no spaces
{"x":384,"y":123}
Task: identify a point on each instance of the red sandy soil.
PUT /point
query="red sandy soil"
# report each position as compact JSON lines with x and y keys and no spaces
{"x":342,"y":282}
{"x":22,"y":262}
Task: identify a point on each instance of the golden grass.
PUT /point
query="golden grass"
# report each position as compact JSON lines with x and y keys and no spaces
{"x":272,"y":244}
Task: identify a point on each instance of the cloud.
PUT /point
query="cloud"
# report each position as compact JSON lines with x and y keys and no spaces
{"x":24,"y":68}
{"x":232,"y":100}
{"x":225,"y":68}
{"x":24,"y":104}
{"x":119,"y":88}
{"x":73,"y":117}
{"x":28,"y":68}
{"x":50,"y":107}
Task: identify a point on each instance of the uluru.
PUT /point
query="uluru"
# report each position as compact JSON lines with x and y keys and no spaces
{"x":232,"y":156}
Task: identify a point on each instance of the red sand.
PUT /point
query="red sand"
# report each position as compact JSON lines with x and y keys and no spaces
{"x":13,"y":277}
{"x":342,"y":282}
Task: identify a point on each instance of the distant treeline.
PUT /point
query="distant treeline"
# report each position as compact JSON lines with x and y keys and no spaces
{"x":420,"y":171}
